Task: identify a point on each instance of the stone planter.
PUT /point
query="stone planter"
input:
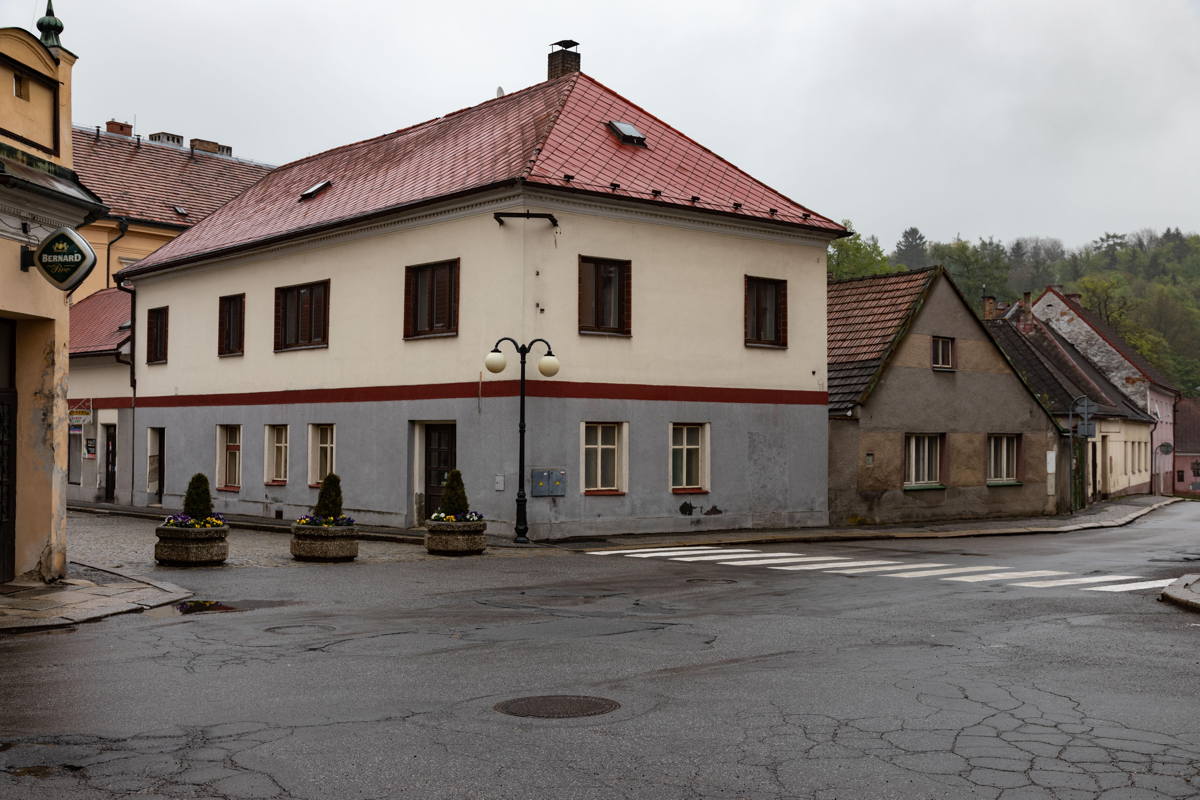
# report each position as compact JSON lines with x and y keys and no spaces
{"x":191,"y":547}
{"x":324,"y":542}
{"x":455,"y":538}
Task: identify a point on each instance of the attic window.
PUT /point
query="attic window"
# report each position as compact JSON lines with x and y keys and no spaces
{"x":628,"y":133}
{"x":20,"y":86}
{"x":180,"y":210}
{"x":314,"y":190}
{"x":126,"y":325}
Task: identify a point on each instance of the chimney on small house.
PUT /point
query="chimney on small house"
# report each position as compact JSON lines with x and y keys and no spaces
{"x":207,"y":146}
{"x":119,"y":128}
{"x":989,"y":307}
{"x":162,"y":137}
{"x":1025,"y":318}
{"x":564,"y":60}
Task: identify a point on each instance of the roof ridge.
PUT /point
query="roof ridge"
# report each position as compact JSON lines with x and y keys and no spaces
{"x":168,"y":148}
{"x":897,"y":273}
{"x":539,"y":145}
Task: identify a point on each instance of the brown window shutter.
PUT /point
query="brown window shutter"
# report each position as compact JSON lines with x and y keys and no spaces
{"x":781,"y":318}
{"x":279,"y":304}
{"x":454,"y":289}
{"x":748,"y":288}
{"x":163,"y":326}
{"x":151,"y":335}
{"x":305,"y":311}
{"x":585,"y":314}
{"x":626,"y":316}
{"x":222,"y":325}
{"x":410,"y":301}
{"x":441,"y":298}
{"x":320,"y":313}
{"x":240,"y":305}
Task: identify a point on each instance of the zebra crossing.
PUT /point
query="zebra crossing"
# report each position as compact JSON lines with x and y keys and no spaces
{"x":889,"y":568}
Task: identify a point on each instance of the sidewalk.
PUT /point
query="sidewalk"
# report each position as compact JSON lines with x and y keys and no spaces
{"x":1184,"y":592}
{"x":87,"y":594}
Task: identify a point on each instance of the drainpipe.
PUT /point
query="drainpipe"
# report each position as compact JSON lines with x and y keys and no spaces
{"x":123,"y":227}
{"x":132,"y":381}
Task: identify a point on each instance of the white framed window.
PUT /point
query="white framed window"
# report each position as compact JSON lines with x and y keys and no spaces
{"x":942,"y":353}
{"x":1003,"y":450}
{"x":604,"y":464}
{"x":922,"y":459}
{"x":275,"y":455}
{"x":321,"y":452}
{"x":689,"y":457}
{"x":229,"y":456}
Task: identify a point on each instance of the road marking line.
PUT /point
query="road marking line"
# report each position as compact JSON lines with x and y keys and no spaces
{"x":934,"y":572}
{"x":1130,"y":587}
{"x":768,"y":558}
{"x":1074,"y":581}
{"x":665,"y":553}
{"x":784,"y":560}
{"x":1002,"y":576}
{"x":711,"y":557}
{"x":883,"y":569}
{"x":647,"y":550}
{"x":837,"y":564}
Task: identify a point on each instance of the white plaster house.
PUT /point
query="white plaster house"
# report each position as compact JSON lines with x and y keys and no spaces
{"x":335,"y":316}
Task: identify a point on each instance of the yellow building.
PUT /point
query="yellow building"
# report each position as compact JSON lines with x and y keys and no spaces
{"x":39,"y":194}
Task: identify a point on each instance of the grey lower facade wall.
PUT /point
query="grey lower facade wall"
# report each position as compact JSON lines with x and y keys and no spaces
{"x":768,"y":462}
{"x":91,"y":473}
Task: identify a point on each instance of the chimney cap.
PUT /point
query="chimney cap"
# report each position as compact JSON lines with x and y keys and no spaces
{"x":565,"y":44}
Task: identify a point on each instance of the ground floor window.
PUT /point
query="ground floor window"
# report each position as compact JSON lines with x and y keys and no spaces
{"x":277,"y":454}
{"x":1002,"y":457}
{"x":689,"y":457}
{"x":603,"y":457}
{"x":320,"y":453}
{"x":229,"y":456}
{"x":923,"y":457}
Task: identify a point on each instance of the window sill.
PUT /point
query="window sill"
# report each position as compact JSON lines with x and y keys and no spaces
{"x":229,"y":355}
{"x":444,"y":335}
{"x":766,"y":345}
{"x":925,"y":487}
{"x":314,"y":486}
{"x":155,"y":363}
{"x":274,"y":483}
{"x":944,"y":369}
{"x":1005,"y":483}
{"x":617,"y":334}
{"x":604,"y":493}
{"x":689,"y":490}
{"x":229,"y":488}
{"x":303,"y":347}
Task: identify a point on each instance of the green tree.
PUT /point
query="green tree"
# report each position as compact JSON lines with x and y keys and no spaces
{"x":912,"y":251}
{"x":854,"y":256}
{"x":329,"y":501}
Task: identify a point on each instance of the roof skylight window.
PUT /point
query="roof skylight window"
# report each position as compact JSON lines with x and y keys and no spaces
{"x":180,"y":210}
{"x":628,"y":133}
{"x":315,"y":189}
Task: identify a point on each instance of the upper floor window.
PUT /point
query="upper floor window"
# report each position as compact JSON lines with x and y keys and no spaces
{"x":431,"y":299}
{"x":942,"y":353}
{"x":922,"y":459}
{"x":20,"y":86}
{"x":302,"y":316}
{"x":156,"y":335}
{"x":766,"y":311}
{"x":231,"y":324}
{"x":1002,"y":457}
{"x":605,"y":295}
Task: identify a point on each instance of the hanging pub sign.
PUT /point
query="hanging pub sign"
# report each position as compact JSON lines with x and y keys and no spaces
{"x":64,"y":258}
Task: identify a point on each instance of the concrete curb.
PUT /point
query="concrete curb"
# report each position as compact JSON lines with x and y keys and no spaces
{"x":1184,"y":593}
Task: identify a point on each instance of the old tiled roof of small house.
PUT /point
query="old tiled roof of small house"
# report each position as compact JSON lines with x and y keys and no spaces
{"x":100,"y":323}
{"x":867,"y":317}
{"x":146,"y":181}
{"x":1118,"y":342}
{"x":1187,"y":426}
{"x":555,"y":134}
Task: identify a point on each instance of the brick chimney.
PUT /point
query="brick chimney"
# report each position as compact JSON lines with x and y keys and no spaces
{"x":989,"y":307}
{"x":1025,"y":318}
{"x":119,"y":128}
{"x":564,"y":60}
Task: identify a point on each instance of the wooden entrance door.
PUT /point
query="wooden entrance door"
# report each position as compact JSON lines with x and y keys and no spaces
{"x":8,"y":451}
{"x":110,"y":463}
{"x":439,"y":460}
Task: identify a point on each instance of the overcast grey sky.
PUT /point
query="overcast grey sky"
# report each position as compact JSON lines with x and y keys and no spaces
{"x":1061,"y":118}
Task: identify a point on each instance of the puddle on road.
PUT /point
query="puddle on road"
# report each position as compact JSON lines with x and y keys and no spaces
{"x":212,"y":607}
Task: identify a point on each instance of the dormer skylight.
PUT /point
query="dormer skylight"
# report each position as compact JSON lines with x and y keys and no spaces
{"x":628,"y":133}
{"x":180,"y":210}
{"x":315,"y":189}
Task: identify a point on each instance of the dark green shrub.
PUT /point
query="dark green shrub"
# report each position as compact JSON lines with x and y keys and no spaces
{"x":329,"y":501}
{"x":454,"y":498}
{"x":197,"y":504}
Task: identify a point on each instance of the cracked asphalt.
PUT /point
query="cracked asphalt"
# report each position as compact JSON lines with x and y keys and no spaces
{"x":378,"y":679}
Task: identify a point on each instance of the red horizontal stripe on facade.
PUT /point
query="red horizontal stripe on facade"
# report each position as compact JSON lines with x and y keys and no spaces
{"x":443,"y":391}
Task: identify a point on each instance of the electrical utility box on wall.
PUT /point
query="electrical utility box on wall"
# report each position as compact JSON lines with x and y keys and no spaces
{"x":548,"y":483}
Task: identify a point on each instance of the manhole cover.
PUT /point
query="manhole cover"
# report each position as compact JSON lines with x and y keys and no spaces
{"x":296,"y":630}
{"x":557,"y":706}
{"x":711,"y":580}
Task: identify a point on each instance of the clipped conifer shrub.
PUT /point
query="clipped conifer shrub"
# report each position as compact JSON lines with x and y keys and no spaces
{"x":454,"y":497}
{"x":329,"y":501}
{"x":197,"y":504}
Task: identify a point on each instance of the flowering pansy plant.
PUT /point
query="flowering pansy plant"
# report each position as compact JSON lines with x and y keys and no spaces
{"x":470,"y":516}
{"x":325,"y":522}
{"x":184,"y":521}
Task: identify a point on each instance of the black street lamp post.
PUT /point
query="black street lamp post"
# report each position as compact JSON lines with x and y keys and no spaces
{"x":548,"y":366}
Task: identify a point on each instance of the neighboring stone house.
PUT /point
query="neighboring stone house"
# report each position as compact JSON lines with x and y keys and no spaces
{"x":335,"y":316}
{"x":1187,"y":447}
{"x":1125,"y":367}
{"x":155,"y":189}
{"x":927,"y":419}
{"x":39,"y":193}
{"x":1114,"y":457}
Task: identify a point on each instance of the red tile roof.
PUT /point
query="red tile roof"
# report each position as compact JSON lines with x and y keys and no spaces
{"x":96,"y":322}
{"x":145,"y":182}
{"x":866,"y":317}
{"x":537,"y":135}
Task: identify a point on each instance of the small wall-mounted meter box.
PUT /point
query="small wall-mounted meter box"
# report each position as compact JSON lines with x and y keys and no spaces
{"x":548,"y":483}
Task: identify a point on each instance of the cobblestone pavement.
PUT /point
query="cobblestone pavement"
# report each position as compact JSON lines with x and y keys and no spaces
{"x":127,"y":544}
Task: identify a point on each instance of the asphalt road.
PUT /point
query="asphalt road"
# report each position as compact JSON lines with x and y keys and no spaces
{"x":379,"y":679}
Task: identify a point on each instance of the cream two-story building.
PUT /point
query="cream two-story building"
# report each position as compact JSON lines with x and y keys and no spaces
{"x":335,"y":317}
